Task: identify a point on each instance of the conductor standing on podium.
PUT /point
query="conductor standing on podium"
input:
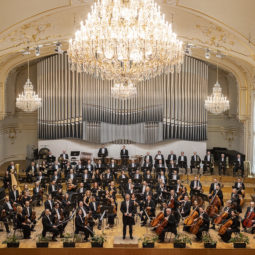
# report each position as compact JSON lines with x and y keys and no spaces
{"x":128,"y":210}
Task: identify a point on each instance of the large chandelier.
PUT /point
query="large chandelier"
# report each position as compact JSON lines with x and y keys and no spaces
{"x":126,"y":41}
{"x":28,"y":101}
{"x":123,"y":90}
{"x":217,"y":103}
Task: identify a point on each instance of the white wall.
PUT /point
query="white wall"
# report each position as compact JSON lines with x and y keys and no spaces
{"x":57,"y":146}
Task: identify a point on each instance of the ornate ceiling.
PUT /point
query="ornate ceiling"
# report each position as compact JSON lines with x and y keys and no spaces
{"x":224,"y":25}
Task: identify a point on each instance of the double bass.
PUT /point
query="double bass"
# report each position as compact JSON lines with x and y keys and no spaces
{"x":214,"y":205}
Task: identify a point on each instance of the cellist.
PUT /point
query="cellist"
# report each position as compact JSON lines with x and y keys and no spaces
{"x":249,"y":211}
{"x":233,"y":228}
{"x":170,"y":225}
{"x":205,"y":224}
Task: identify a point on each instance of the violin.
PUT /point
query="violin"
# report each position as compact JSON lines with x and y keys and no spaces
{"x":190,"y":219}
{"x":157,"y":219}
{"x":248,"y":221}
{"x":224,"y":227}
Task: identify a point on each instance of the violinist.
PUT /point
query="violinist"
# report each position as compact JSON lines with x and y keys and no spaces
{"x":195,"y":185}
{"x":134,"y":200}
{"x":205,"y":223}
{"x":53,"y":188}
{"x":170,"y":225}
{"x":94,"y":207}
{"x":71,"y":187}
{"x":148,"y":210}
{"x":82,"y":208}
{"x":48,"y":204}
{"x":37,"y":195}
{"x":81,"y":190}
{"x":233,"y":227}
{"x":81,"y":226}
{"x":185,"y":206}
{"x":112,"y":213}
{"x":112,"y":189}
{"x":250,"y":214}
{"x":29,"y":214}
{"x":58,"y":219}
{"x":23,"y":223}
{"x":160,"y":192}
{"x":67,"y":169}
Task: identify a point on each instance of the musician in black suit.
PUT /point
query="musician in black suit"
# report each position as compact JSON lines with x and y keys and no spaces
{"x":51,"y":158}
{"x":239,"y":185}
{"x":195,"y":162}
{"x":160,"y":166}
{"x":49,"y":203}
{"x":11,"y":168}
{"x":236,"y":200}
{"x":124,"y":155}
{"x":8,"y":207}
{"x":137,"y":177}
{"x":148,"y":177}
{"x":148,"y":210}
{"x":31,"y":172}
{"x":48,"y":226}
{"x":205,"y":225}
{"x":159,"y":156}
{"x":249,"y":211}
{"x":195,"y":185}
{"x":93,"y":207}
{"x":208,"y":162}
{"x":80,"y":226}
{"x":80,"y":167}
{"x":185,"y":207}
{"x":171,"y":156}
{"x":174,"y":176}
{"x":53,"y":188}
{"x":182,"y":162}
{"x":128,"y":210}
{"x":108,"y":177}
{"x":238,"y":164}
{"x":217,"y":192}
{"x":172,"y":166}
{"x":89,"y":166}
{"x":171,"y":225}
{"x":64,"y":156}
{"x":36,"y":193}
{"x":222,"y":164}
{"x":132,"y":167}
{"x":234,"y":228}
{"x":71,"y":176}
{"x":148,"y":158}
{"x":147,"y":165}
{"x":7,"y":180}
{"x":103,"y":152}
{"x":213,"y":185}
{"x":100,"y":166}
{"x":114,"y":168}
{"x":14,"y":194}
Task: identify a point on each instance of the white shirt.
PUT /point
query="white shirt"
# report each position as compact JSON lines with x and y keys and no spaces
{"x":9,"y":205}
{"x":58,"y":214}
{"x":64,"y":156}
{"x":182,"y":158}
{"x":103,"y":149}
{"x":50,"y":204}
{"x":208,"y":157}
{"x":127,"y":204}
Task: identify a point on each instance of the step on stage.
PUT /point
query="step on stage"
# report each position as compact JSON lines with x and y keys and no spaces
{"x":118,"y":242}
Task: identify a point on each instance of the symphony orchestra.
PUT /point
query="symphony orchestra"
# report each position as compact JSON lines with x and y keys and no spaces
{"x":151,"y":190}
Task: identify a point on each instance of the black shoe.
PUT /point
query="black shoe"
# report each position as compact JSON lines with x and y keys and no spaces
{"x":54,"y":239}
{"x":213,"y":227}
{"x":123,"y":237}
{"x":161,"y":241}
{"x":131,"y":237}
{"x":85,"y":240}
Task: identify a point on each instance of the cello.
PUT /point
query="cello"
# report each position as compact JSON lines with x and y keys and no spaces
{"x":190,"y":219}
{"x":161,"y":227}
{"x":157,"y":219}
{"x":224,"y":227}
{"x":195,"y":227}
{"x":219,"y":218}
{"x":247,"y":223}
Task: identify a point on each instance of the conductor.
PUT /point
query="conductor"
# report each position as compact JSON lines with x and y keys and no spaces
{"x":128,"y":210}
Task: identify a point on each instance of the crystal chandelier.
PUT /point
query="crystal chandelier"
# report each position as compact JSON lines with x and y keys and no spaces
{"x":28,"y":101}
{"x":124,"y":90}
{"x":126,"y":41}
{"x":217,"y":103}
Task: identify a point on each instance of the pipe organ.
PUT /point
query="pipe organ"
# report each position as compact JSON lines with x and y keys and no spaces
{"x":77,"y":105}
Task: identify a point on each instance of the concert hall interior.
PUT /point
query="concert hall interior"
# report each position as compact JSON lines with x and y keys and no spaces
{"x":127,"y":124}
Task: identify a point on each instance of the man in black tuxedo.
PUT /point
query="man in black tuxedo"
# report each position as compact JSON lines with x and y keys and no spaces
{"x":149,"y":207}
{"x":128,"y":210}
{"x":11,"y":168}
{"x":89,"y":166}
{"x":185,"y":207}
{"x":31,"y":172}
{"x":103,"y":153}
{"x":195,"y":162}
{"x":208,"y":162}
{"x":132,"y":167}
{"x":222,"y":164}
{"x":79,"y":168}
{"x":239,"y":185}
{"x":249,"y":211}
{"x":80,"y":226}
{"x":171,"y":158}
{"x":238,"y":164}
{"x":147,"y":165}
{"x":124,"y":155}
{"x":14,"y":194}
{"x":217,"y":192}
{"x":49,"y":203}
{"x":182,"y":162}
{"x":213,"y":185}
{"x":195,"y":185}
{"x":48,"y":226}
{"x":114,"y":168}
{"x":148,"y":157}
{"x":159,"y":156}
{"x":51,"y":158}
{"x":64,"y":156}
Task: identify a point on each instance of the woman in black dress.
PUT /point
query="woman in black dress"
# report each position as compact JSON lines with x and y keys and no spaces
{"x":23,"y":223}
